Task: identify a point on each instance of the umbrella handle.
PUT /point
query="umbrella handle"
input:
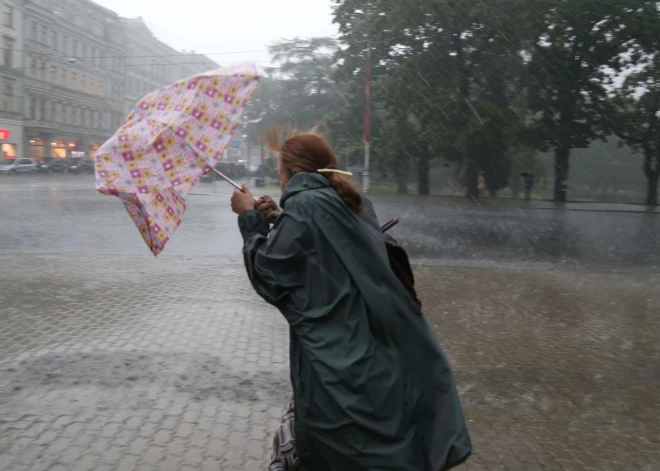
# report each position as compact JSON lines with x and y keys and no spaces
{"x":227,"y":179}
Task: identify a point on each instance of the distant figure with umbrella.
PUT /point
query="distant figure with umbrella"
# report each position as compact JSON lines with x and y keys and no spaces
{"x":372,"y":386}
{"x":528,"y":184}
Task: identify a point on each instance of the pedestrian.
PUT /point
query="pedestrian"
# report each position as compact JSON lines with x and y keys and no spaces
{"x":372,"y":386}
{"x":528,"y":183}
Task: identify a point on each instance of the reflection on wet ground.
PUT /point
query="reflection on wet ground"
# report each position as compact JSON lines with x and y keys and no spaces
{"x":67,"y":216}
{"x":113,"y":359}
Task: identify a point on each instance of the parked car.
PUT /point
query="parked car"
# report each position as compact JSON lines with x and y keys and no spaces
{"x":78,"y":165}
{"x":16,"y":166}
{"x":58,"y":166}
{"x":44,"y":165}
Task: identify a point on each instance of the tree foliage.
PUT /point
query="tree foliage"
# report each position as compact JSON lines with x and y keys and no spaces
{"x":482,"y":85}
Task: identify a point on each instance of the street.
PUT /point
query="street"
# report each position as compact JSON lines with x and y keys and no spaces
{"x":112,"y":359}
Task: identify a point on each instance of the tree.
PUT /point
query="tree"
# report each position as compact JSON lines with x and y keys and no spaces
{"x":307,"y":90}
{"x":445,"y":68}
{"x":638,"y":99}
{"x":576,"y":46}
{"x":639,"y":124}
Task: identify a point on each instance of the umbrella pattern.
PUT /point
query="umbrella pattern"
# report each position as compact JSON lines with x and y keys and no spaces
{"x":171,"y":138}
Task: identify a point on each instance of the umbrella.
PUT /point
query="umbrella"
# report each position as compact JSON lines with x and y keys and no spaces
{"x":171,"y":138}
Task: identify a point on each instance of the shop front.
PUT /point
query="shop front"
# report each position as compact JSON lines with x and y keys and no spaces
{"x":93,"y":148}
{"x":58,"y":149}
{"x":37,"y":149}
{"x":11,"y":137}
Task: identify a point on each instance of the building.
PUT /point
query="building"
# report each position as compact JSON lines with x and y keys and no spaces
{"x":151,"y":64}
{"x":74,"y":53}
{"x":11,"y":75}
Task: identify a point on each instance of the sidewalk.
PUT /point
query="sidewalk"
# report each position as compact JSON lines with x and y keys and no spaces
{"x":460,"y":201}
{"x":174,"y":364}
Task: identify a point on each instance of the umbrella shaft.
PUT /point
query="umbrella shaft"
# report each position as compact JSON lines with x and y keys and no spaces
{"x":227,"y":179}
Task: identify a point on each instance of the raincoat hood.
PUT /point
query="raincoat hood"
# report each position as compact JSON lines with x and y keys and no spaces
{"x":303,"y":182}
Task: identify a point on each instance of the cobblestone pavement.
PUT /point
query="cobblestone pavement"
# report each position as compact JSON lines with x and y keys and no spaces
{"x":111,"y":359}
{"x":135,"y":363}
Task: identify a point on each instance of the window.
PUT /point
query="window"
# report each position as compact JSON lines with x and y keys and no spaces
{"x":8,"y":53}
{"x":65,"y":45}
{"x":53,"y":74}
{"x":67,"y":114}
{"x":63,"y":78}
{"x":74,"y":80}
{"x":84,"y":53}
{"x":74,"y":116}
{"x":53,"y":111}
{"x":44,"y":34}
{"x":93,"y":54}
{"x":58,"y":112}
{"x":33,"y":30}
{"x":83,"y":83}
{"x":9,"y":16}
{"x":101,"y":91}
{"x":92,"y":86}
{"x":74,"y":49}
{"x":32,"y":111}
{"x":85,"y":113}
{"x":33,"y":68}
{"x":8,"y":104}
{"x":54,"y":40}
{"x":96,"y":28}
{"x":42,"y":71}
{"x":46,"y":111}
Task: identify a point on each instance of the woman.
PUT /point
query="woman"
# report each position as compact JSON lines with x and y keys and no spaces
{"x":372,"y":387}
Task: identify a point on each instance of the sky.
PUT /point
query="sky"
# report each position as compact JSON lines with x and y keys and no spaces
{"x":214,"y":27}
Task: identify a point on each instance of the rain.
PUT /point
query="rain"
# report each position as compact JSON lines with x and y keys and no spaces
{"x":513,"y":145}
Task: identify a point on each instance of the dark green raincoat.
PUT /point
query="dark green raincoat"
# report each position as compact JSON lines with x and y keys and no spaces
{"x":373,"y":389}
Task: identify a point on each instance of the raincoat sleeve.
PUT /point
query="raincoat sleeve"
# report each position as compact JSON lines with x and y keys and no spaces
{"x":273,"y":260}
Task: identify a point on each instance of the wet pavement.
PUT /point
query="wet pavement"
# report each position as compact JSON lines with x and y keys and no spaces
{"x":111,"y":359}
{"x":82,"y":221}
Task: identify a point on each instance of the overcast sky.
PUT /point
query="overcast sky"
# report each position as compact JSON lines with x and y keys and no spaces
{"x":217,"y":26}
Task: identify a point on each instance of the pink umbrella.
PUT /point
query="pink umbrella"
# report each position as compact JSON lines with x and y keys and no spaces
{"x":172,"y":137}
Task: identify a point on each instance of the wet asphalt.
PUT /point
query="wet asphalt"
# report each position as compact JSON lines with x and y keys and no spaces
{"x":62,"y":214}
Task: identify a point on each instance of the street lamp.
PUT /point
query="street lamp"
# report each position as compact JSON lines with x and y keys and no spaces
{"x":247,"y":122}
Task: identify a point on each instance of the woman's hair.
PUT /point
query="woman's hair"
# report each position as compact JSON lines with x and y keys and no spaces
{"x":309,"y":152}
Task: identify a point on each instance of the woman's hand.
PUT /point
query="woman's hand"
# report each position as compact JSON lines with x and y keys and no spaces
{"x":242,"y":200}
{"x":266,"y":206}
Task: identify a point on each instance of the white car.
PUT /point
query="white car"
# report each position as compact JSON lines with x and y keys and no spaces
{"x":15,"y":166}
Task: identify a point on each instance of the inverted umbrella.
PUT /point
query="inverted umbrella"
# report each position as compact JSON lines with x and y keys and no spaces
{"x":171,"y":138}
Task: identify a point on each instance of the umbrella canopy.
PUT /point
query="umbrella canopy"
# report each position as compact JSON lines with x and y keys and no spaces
{"x":170,"y":139}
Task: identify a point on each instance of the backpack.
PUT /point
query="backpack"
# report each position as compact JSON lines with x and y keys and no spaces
{"x":400,"y":265}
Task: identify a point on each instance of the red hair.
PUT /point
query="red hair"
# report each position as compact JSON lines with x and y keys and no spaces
{"x":308,"y":152}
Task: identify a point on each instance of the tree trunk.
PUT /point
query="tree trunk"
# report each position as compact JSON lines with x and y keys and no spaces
{"x":471,"y":178}
{"x":652,"y":173}
{"x":402,"y":176}
{"x":562,"y":154}
{"x":423,"y":176}
{"x":652,"y":189}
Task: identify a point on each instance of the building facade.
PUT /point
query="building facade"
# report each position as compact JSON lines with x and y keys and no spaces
{"x":11,"y":80}
{"x":72,"y":70}
{"x":73,"y":54}
{"x":151,"y":64}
